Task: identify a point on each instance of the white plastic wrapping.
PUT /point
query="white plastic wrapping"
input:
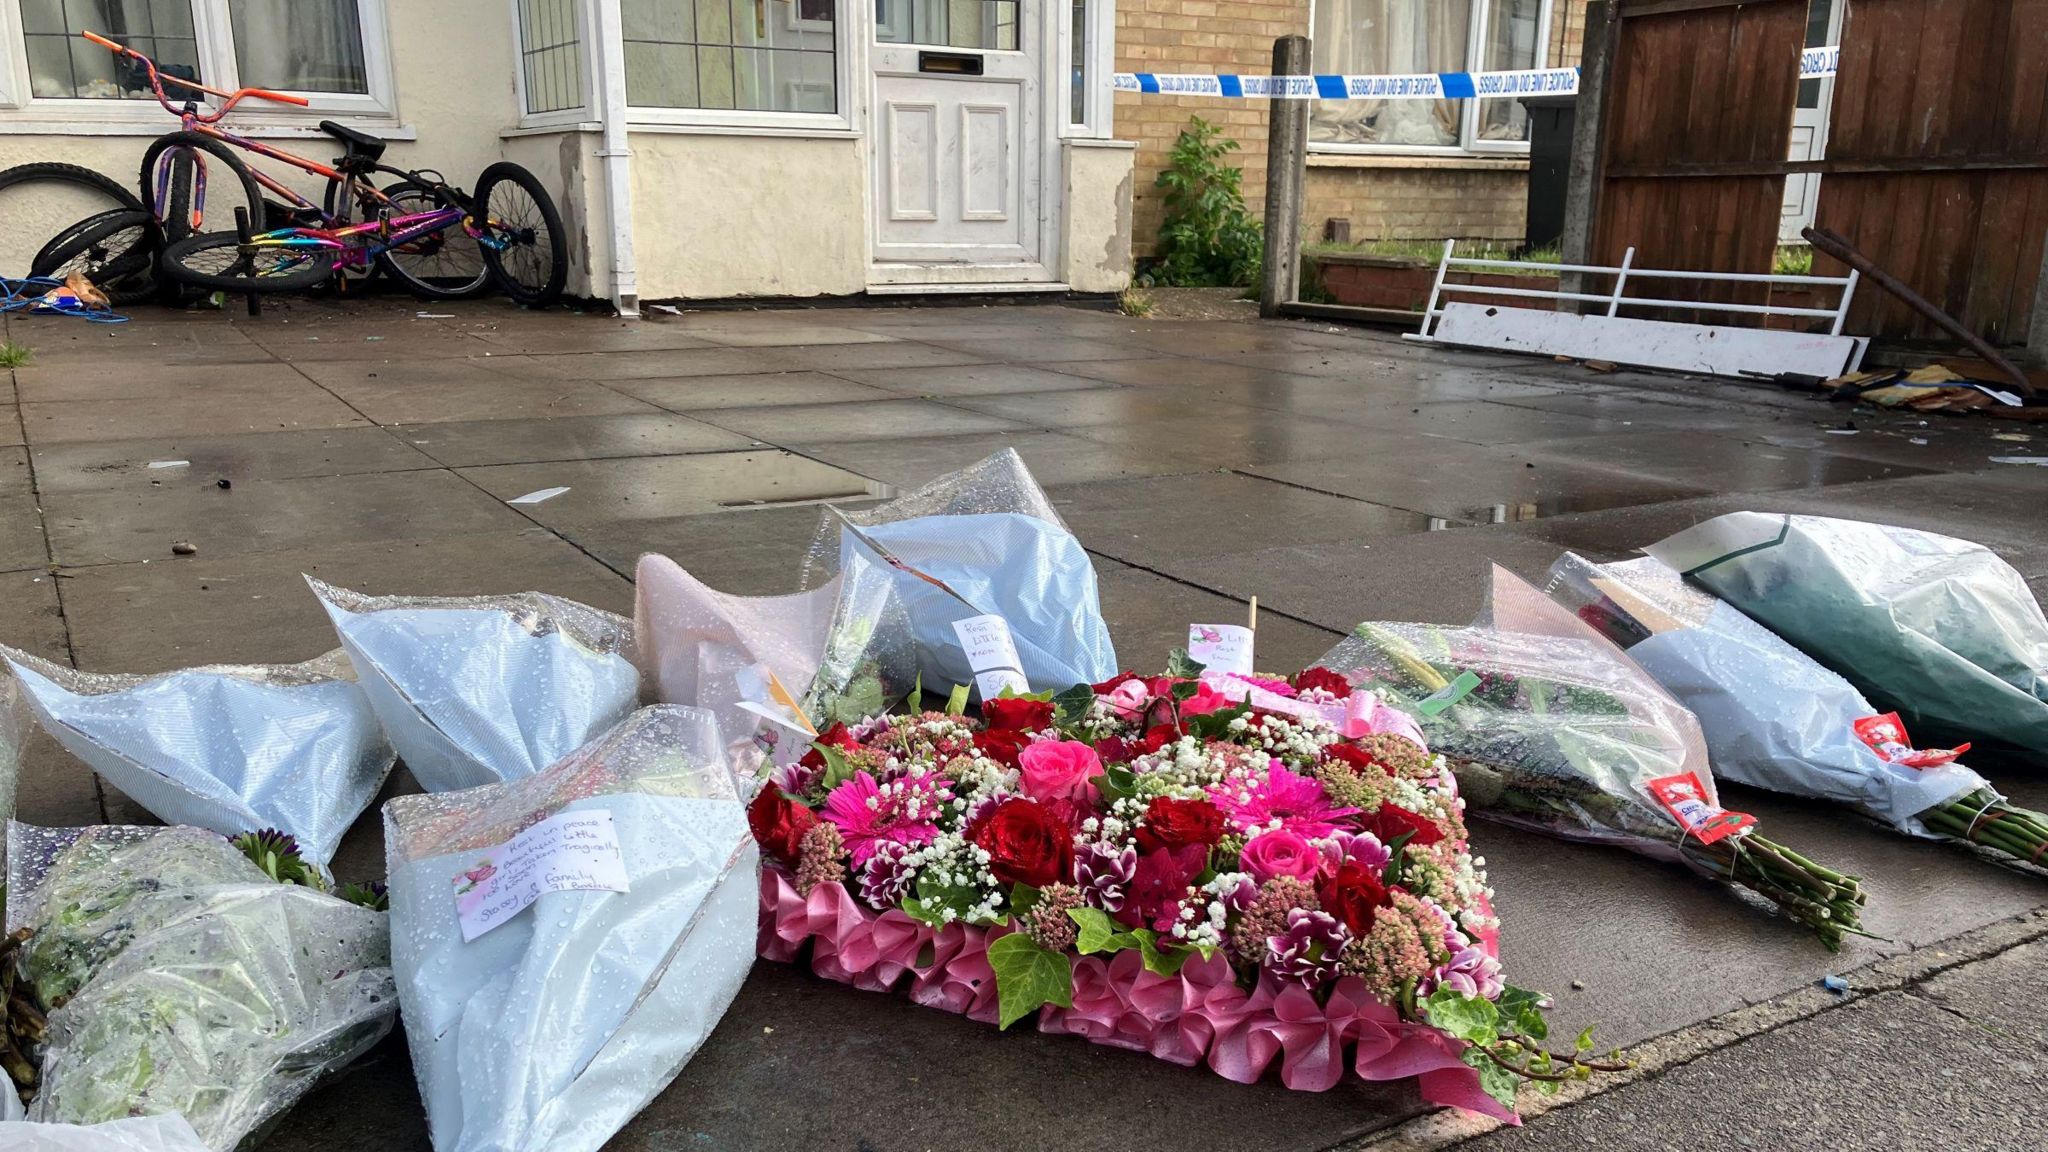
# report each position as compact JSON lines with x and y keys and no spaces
{"x":1937,"y":629}
{"x":551,"y":1030}
{"x":183,"y":980}
{"x":13,"y":739}
{"x":135,"y":1134}
{"x":478,"y":690}
{"x":989,"y":534}
{"x":1772,"y":717}
{"x":234,"y":748}
{"x":1562,"y":734}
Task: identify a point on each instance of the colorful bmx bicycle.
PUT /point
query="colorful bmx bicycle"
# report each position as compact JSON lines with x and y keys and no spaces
{"x":431,"y":236}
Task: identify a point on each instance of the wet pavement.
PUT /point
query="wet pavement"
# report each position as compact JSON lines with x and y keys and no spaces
{"x":1337,"y":475}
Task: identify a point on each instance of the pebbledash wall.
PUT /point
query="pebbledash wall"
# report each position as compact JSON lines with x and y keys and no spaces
{"x":1393,"y":191}
{"x":710,"y":210}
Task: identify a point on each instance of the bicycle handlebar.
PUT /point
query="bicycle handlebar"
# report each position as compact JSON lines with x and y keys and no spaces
{"x":156,"y":84}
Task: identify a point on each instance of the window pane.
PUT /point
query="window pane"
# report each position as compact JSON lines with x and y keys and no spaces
{"x":63,"y":66}
{"x":989,"y":25}
{"x":299,"y":45}
{"x":1510,"y":44}
{"x":1078,"y":113}
{"x":747,"y":55}
{"x":1817,"y":18}
{"x":551,"y":54}
{"x":1389,"y":37}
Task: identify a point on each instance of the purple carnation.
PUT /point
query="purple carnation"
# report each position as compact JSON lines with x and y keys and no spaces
{"x":1104,"y":874}
{"x":1308,"y":951}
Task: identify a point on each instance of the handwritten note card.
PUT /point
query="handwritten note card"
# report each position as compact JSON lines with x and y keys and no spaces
{"x":572,"y":851}
{"x":992,"y":654}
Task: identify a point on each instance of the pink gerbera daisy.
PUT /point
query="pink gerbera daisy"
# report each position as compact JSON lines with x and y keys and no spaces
{"x":1281,"y":798}
{"x":903,"y":811}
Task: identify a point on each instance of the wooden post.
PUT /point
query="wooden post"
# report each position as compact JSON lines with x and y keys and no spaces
{"x":1286,"y":171}
{"x":2037,"y":324}
{"x":1582,"y":182}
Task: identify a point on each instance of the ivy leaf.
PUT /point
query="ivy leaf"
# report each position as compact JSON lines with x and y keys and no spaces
{"x":1495,"y":1080}
{"x":914,"y":703}
{"x":1472,"y":1019}
{"x":1215,"y":725}
{"x":1073,"y":705}
{"x":1117,"y":782}
{"x":1522,"y":1010}
{"x":1023,"y":898}
{"x":838,"y":770}
{"x":1585,"y":1041}
{"x":956,"y":704}
{"x":1187,"y":689}
{"x":1161,"y":959}
{"x":1182,"y":666}
{"x":1028,"y":977}
{"x":1098,"y":932}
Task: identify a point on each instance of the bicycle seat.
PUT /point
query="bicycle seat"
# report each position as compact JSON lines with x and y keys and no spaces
{"x":361,"y":145}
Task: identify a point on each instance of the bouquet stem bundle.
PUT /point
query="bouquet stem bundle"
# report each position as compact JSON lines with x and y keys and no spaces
{"x":1821,"y":898}
{"x":1983,"y":818}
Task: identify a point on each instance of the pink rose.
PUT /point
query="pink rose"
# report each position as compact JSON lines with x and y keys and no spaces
{"x":1281,"y":853}
{"x":1128,"y":699}
{"x":1205,"y":700}
{"x":1060,"y":770}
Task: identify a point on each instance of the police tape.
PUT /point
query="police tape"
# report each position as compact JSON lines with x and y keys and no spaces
{"x":1814,"y":64}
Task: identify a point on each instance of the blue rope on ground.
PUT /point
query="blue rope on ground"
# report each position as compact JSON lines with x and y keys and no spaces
{"x":31,"y":294}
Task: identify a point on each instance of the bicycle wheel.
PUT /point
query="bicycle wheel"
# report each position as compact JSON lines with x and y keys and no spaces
{"x":351,"y":200}
{"x":115,"y":250}
{"x":172,"y":166}
{"x":218,"y":261}
{"x":39,"y":201}
{"x":523,"y":243}
{"x":447,"y":264}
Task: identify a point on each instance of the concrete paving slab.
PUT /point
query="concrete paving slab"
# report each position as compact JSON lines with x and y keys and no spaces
{"x":1954,"y":445}
{"x":968,"y":380}
{"x":1437,"y":577}
{"x":1259,"y":437}
{"x":589,"y":335}
{"x":1053,"y":457}
{"x":29,"y":615}
{"x":225,"y":414}
{"x":752,"y":390}
{"x":655,"y":487}
{"x":402,"y":401}
{"x":21,"y":533}
{"x":746,"y":551}
{"x":1148,"y":617}
{"x":56,"y":790}
{"x":63,"y":340}
{"x":661,"y":364}
{"x":1892,"y":1071}
{"x":1096,"y":406}
{"x":10,"y":426}
{"x":799,"y":424}
{"x":1154,"y":521}
{"x":254,"y":608}
{"x":124,"y":464}
{"x":344,"y":377}
{"x":1728,"y":463}
{"x":834,"y":357}
{"x":129,"y":380}
{"x":1048,"y":350}
{"x":1482,"y":422}
{"x":1469,"y":482}
{"x":269,"y":516}
{"x":15,"y":476}
{"x":344,"y":344}
{"x":783,"y":333}
{"x":464,"y":444}
{"x":1998,"y":993}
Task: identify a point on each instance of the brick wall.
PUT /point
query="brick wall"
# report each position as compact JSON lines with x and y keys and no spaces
{"x":1387,"y":200}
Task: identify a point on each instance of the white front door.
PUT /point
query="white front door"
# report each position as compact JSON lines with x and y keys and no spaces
{"x":1810,"y":125}
{"x":959,"y":155}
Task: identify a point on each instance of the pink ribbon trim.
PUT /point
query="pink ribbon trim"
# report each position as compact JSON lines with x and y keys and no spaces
{"x":1359,"y":714}
{"x":1200,"y":1015}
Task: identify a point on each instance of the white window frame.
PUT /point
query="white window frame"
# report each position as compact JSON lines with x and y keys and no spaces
{"x":1468,"y":143}
{"x":214,"y":33}
{"x":835,"y":123}
{"x":1099,"y":60}
{"x":582,"y":116}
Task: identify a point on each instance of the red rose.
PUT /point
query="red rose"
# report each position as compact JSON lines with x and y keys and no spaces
{"x":1026,"y":843}
{"x":1391,"y":822}
{"x":1332,"y":682}
{"x":1156,"y":737}
{"x":1111,"y":684}
{"x":1000,"y":744}
{"x":779,"y":823}
{"x":1354,"y":895}
{"x":835,"y":736}
{"x":1349,"y":754}
{"x":1171,"y":823}
{"x":1015,"y":714}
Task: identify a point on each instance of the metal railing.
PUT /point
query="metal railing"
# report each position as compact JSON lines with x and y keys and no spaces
{"x":1617,"y":298}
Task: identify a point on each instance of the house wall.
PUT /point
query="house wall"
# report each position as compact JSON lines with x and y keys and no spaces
{"x":1098,"y":177}
{"x":1383,"y":196}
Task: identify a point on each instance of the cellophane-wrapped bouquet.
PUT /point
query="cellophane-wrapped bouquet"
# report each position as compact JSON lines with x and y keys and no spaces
{"x":179,"y":977}
{"x":1550,"y":727}
{"x":1156,"y":863}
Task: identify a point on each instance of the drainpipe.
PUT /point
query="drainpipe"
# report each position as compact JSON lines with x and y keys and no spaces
{"x":615,"y":155}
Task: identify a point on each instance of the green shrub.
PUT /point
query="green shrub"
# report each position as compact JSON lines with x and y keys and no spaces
{"x":1208,"y":239}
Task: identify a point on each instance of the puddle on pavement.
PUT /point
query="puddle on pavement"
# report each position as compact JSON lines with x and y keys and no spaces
{"x":781,"y":480}
{"x":1520,"y":511}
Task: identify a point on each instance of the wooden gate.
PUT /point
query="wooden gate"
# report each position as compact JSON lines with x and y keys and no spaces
{"x":1937,"y":159}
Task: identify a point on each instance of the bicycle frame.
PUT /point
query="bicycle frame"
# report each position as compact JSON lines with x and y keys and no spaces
{"x":393,"y":231}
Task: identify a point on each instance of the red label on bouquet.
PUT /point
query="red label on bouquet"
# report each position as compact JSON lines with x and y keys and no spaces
{"x":1686,"y":799}
{"x":1886,"y":736}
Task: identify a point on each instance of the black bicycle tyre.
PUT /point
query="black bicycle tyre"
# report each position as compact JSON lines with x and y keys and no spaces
{"x":426,"y":289}
{"x":530,"y":294}
{"x":312,"y":272}
{"x":121,"y":273}
{"x":177,"y":219}
{"x":70,"y":174}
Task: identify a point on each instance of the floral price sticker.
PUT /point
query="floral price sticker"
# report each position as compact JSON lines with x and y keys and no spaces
{"x":1886,"y":736}
{"x":1685,"y":798}
{"x":568,"y":852}
{"x":1221,"y":647}
{"x":992,"y":653}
